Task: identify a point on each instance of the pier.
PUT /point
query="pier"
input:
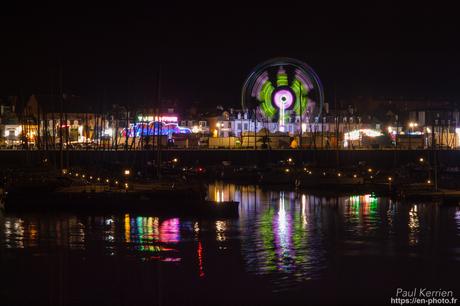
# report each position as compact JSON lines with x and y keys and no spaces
{"x":322,"y":158}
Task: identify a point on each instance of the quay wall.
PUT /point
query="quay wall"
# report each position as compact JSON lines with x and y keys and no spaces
{"x":324,"y":158}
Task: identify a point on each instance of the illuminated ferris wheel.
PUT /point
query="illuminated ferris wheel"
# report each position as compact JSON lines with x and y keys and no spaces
{"x":284,"y":90}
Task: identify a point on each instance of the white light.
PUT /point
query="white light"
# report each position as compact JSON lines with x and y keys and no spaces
{"x":17,"y":130}
{"x":195,"y":129}
{"x":166,"y":118}
{"x":355,"y":134}
{"x":304,"y":127}
{"x":145,"y":118}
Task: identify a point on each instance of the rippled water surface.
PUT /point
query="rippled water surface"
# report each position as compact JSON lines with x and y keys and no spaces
{"x":285,"y":247}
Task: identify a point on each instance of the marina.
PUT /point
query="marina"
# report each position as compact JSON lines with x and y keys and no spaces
{"x":259,"y":154}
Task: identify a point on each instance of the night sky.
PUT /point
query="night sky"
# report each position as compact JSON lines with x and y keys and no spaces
{"x":206,"y":52}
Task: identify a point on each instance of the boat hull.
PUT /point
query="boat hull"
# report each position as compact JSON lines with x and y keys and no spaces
{"x":163,"y":202}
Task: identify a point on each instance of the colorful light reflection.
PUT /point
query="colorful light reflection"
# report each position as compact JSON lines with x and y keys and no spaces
{"x":283,"y":233}
{"x":146,"y":233}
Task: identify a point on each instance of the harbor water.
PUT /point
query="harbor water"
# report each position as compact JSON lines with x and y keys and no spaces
{"x":284,"y":248}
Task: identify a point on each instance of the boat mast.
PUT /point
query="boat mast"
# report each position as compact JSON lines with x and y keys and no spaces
{"x":159,"y":129}
{"x":61,"y":106}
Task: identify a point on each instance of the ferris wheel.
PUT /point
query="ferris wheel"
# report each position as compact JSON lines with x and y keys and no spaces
{"x":282,"y":89}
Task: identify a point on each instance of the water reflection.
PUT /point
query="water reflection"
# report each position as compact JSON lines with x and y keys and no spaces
{"x":413,"y":225}
{"x":457,"y":219}
{"x":146,"y":234}
{"x":363,"y":215}
{"x":284,"y":240}
{"x":391,"y":214}
{"x":282,"y":232}
{"x":221,"y":228}
{"x":200,"y":259}
{"x":284,"y":236}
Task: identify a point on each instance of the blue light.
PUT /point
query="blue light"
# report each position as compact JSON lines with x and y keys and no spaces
{"x":151,"y":129}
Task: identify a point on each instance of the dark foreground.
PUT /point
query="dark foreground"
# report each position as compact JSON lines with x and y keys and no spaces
{"x":285,"y":248}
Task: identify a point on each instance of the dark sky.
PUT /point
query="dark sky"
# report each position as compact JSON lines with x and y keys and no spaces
{"x":206,"y":51}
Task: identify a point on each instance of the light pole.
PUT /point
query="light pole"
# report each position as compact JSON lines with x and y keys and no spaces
{"x":411,"y":125}
{"x":218,"y":129}
{"x":126,"y":173}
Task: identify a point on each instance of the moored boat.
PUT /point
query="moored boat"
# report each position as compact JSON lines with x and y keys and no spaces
{"x":160,"y":198}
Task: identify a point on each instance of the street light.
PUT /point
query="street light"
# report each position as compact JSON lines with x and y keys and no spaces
{"x":219,"y":127}
{"x":127,"y":172}
{"x":412,"y":125}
